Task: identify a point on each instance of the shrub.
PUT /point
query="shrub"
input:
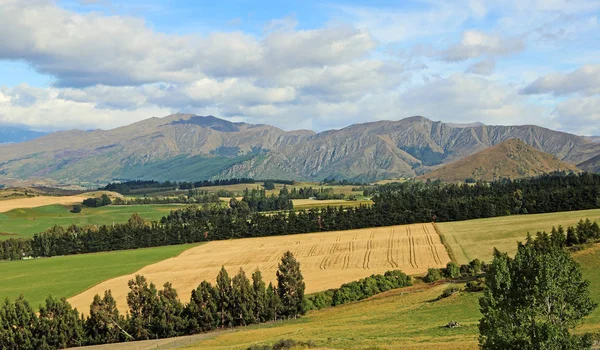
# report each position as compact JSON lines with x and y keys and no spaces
{"x":76,"y":209}
{"x":452,"y":270}
{"x":448,"y":292}
{"x":475,"y":286}
{"x":432,"y":275}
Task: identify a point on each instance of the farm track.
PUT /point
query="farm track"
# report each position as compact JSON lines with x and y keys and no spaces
{"x":328,"y":259}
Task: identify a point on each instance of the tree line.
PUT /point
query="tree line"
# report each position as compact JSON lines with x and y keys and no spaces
{"x":257,"y":200}
{"x":192,"y":197}
{"x":153,"y":313}
{"x":317,"y":193}
{"x":126,"y":187}
{"x":394,"y":204}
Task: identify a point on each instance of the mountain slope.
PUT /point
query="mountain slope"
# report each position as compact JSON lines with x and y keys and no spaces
{"x":189,"y":147}
{"x":510,"y":159}
{"x":591,"y":165}
{"x":13,"y":135}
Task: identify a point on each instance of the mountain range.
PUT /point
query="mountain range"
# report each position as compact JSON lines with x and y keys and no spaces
{"x":189,"y":147}
{"x":11,"y":134}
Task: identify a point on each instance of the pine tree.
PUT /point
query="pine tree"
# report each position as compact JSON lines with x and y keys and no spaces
{"x":60,"y":326}
{"x":104,"y":325}
{"x":273,"y":304}
{"x":242,"y":300}
{"x":168,"y":318}
{"x":143,"y":301}
{"x":18,"y":324}
{"x":202,"y":308}
{"x":260,"y":297}
{"x":290,"y":286}
{"x":224,"y":301}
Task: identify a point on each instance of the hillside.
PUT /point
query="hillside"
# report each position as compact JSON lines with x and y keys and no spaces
{"x":186,"y":147}
{"x":591,"y":165}
{"x":510,"y":159}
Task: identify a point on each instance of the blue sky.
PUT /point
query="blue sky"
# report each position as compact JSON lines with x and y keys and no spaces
{"x":300,"y":64}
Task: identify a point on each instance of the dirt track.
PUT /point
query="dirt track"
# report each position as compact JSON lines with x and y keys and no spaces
{"x":328,"y":259}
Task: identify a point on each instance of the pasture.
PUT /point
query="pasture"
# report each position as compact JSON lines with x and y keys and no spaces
{"x":28,"y":221}
{"x":65,"y":276}
{"x":328,"y":259}
{"x":477,"y":238}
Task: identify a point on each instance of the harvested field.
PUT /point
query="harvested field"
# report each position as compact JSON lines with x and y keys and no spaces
{"x":40,"y":201}
{"x":328,"y":259}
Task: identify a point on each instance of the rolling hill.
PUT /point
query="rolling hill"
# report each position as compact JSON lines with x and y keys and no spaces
{"x":188,"y":147}
{"x":510,"y":159}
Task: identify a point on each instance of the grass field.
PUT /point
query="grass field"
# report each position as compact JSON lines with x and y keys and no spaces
{"x":26,"y":222}
{"x":477,"y":238}
{"x":64,"y":276}
{"x":328,"y":259}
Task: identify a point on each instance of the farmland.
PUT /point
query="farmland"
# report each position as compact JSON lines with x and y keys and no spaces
{"x":477,"y":238}
{"x":328,"y":259}
{"x":409,"y":317}
{"x":64,"y":276}
{"x":28,"y":221}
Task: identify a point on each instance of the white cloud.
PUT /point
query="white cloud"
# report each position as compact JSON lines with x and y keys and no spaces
{"x":580,"y":115}
{"x":476,"y":44}
{"x":585,"y":80}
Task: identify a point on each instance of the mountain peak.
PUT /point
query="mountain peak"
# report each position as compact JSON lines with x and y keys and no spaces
{"x":209,"y":122}
{"x":512,"y":158}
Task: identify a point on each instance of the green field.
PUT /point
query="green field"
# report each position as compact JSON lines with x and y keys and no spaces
{"x":408,"y":318}
{"x":26,"y":222}
{"x":477,"y":238}
{"x":65,"y":276}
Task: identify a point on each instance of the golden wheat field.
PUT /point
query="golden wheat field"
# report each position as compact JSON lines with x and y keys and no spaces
{"x":327,"y":259}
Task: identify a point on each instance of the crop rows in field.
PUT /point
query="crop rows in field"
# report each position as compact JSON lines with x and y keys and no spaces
{"x":328,"y":259}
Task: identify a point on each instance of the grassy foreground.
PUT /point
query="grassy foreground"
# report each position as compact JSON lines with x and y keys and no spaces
{"x":65,"y":276}
{"x":404,"y":318}
{"x":477,"y":238}
{"x":26,"y":222}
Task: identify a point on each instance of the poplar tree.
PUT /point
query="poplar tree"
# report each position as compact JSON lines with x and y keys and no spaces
{"x":534,"y":300}
{"x":290,"y":286}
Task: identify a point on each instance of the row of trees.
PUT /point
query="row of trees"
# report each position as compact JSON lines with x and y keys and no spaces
{"x":394,"y":205}
{"x":155,"y":313}
{"x":358,"y":290}
{"x":258,"y":200}
{"x":127,"y":187}
{"x":192,"y":197}
{"x":317,"y":193}
{"x":97,"y":202}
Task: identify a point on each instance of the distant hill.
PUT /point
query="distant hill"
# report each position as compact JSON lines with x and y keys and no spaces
{"x":188,"y":147}
{"x":14,"y":135}
{"x":509,"y":159}
{"x":591,"y":165}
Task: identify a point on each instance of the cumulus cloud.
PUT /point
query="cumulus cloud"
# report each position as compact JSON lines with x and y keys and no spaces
{"x":585,"y":80}
{"x":476,"y":44}
{"x":580,"y":115}
{"x":485,"y":67}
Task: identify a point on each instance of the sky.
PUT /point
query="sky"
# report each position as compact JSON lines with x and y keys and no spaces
{"x":308,"y":64}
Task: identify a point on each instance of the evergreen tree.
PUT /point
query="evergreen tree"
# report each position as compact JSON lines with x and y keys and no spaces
{"x":168,"y":318}
{"x":533,"y":300}
{"x":18,"y":324}
{"x":224,"y":301}
{"x":202,"y":308}
{"x":104,"y":325}
{"x":142,"y":300}
{"x":290,"y":286}
{"x":273,"y":303}
{"x":259,"y":296}
{"x":60,"y":326}
{"x":242,"y":301}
